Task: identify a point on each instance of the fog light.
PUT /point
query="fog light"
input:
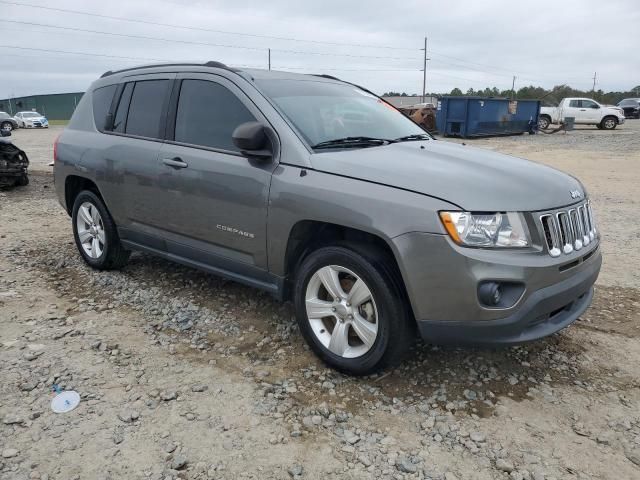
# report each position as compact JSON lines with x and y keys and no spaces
{"x":490,"y":294}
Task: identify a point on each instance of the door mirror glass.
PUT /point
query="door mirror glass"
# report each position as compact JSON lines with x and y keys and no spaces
{"x":251,"y":139}
{"x":595,"y":106}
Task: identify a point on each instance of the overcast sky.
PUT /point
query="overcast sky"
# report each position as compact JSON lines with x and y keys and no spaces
{"x":471,"y":43}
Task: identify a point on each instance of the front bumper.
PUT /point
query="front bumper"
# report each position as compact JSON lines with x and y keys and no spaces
{"x":442,"y":283}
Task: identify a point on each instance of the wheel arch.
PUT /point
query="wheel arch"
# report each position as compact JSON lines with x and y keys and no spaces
{"x":307,"y":236}
{"x":73,"y":185}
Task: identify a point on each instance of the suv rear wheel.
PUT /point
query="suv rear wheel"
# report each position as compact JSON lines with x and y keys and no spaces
{"x":350,"y":310}
{"x":95,"y":233}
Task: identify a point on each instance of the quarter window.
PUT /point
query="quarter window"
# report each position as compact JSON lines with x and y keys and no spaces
{"x":145,"y":110}
{"x":102,"y":98}
{"x":120,"y":120}
{"x":207,"y":115}
{"x":574,"y":103}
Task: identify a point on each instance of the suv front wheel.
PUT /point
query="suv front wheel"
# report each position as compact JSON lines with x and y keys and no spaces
{"x":95,"y":233}
{"x":350,"y":310}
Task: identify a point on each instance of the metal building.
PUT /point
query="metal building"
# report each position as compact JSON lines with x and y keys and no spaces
{"x":57,"y":106}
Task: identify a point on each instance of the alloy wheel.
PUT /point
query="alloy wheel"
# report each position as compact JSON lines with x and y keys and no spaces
{"x":90,"y":230}
{"x":341,"y":311}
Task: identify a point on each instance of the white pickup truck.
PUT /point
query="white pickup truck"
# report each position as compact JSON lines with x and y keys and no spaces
{"x":585,"y":111}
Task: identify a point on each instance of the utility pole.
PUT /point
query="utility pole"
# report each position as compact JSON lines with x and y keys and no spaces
{"x":595,"y":75}
{"x":424,"y":72}
{"x":513,"y":87}
{"x":269,"y":58}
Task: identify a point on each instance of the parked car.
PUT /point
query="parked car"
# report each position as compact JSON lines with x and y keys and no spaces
{"x":585,"y":111}
{"x":14,"y":163}
{"x":31,"y":120}
{"x":317,"y":191}
{"x":7,"y":122}
{"x":631,"y":107}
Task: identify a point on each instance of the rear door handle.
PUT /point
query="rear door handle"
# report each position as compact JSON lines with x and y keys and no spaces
{"x":174,"y":162}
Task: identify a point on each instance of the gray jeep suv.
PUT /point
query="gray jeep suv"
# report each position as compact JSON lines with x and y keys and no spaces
{"x":317,"y":191}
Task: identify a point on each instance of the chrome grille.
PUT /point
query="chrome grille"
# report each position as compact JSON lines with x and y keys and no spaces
{"x":568,"y":230}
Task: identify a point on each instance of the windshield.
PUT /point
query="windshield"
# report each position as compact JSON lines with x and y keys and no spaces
{"x":630,"y":102}
{"x":30,"y":114}
{"x":324,"y":111}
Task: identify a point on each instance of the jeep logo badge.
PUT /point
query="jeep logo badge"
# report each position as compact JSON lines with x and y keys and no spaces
{"x":575,"y":194}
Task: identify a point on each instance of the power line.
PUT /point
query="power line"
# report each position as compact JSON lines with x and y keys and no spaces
{"x":285,"y":67}
{"x":208,"y":44}
{"x":187,"y":27}
{"x":82,"y":53}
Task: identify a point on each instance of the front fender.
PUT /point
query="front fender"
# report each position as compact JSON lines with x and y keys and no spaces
{"x":299,"y":194}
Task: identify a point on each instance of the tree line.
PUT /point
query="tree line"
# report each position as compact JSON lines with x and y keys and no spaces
{"x":548,"y":96}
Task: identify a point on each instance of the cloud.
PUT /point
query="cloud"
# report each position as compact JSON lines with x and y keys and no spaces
{"x":471,"y":44}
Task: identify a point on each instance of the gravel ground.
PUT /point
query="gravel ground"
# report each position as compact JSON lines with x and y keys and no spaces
{"x":184,"y":375}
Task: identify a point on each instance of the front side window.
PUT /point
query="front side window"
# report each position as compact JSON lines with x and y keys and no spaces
{"x":145,"y":110}
{"x":207,"y":115}
{"x":589,"y":104}
{"x":325,"y":111}
{"x":102,"y":98}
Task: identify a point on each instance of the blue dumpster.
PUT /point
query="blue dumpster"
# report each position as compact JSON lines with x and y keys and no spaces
{"x":478,"y":116}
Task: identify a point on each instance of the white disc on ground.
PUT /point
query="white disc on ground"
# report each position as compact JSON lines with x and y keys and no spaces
{"x":65,"y":401}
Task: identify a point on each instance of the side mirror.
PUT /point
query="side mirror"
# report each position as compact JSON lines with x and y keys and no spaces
{"x":6,"y":133}
{"x":251,"y":139}
{"x":595,"y":106}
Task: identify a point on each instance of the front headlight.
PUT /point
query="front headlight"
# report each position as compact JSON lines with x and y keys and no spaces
{"x":486,"y":229}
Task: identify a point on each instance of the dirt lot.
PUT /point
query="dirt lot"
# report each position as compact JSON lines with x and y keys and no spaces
{"x":183,"y":375}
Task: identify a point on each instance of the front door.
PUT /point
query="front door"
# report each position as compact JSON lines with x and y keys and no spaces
{"x":216,"y":211}
{"x":591,"y":111}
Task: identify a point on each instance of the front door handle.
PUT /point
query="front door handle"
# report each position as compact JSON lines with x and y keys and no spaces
{"x":583,"y":109}
{"x":174,"y":162}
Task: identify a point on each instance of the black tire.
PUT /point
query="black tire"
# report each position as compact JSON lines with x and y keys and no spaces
{"x":114,"y":255}
{"x":395,"y":324}
{"x":23,"y":181}
{"x":544,"y":122}
{"x":599,"y":126}
{"x":609,"y":123}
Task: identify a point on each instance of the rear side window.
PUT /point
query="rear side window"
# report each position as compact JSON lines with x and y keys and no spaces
{"x":102,"y":98}
{"x":207,"y":115}
{"x":120,"y":120}
{"x":145,"y":110}
{"x":574,"y":103}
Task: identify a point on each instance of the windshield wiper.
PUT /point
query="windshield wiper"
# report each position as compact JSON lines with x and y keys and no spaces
{"x":412,"y":138}
{"x":353,"y":142}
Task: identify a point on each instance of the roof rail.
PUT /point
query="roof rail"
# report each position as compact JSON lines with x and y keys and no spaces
{"x":207,"y":64}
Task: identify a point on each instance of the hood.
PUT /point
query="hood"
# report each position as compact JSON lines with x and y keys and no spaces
{"x":471,"y":178}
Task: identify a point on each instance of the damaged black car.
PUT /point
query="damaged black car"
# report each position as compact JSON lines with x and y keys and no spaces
{"x":14,"y":163}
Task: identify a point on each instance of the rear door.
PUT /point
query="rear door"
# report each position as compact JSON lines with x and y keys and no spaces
{"x":573,"y":108}
{"x":137,"y":120}
{"x":216,"y":211}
